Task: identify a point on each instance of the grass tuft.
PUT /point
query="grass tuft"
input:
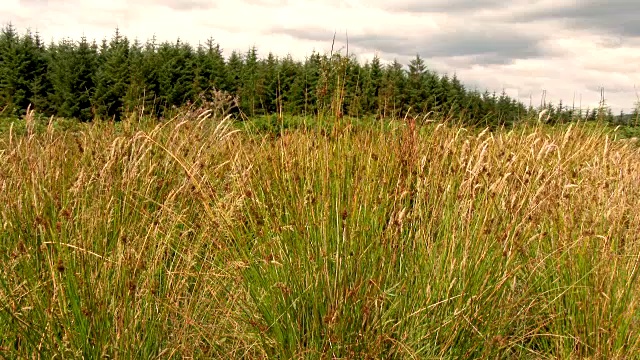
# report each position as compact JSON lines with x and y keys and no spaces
{"x":197,"y":238}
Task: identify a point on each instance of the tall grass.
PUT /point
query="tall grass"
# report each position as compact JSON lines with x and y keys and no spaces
{"x":188,"y":238}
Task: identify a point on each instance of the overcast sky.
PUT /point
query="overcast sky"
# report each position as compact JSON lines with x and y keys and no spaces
{"x":565,"y":47}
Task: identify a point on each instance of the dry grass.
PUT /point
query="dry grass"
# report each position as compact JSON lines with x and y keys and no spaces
{"x":191,"y":239}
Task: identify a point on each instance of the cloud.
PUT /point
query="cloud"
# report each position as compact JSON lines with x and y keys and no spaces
{"x":490,"y":45}
{"x":187,"y":5}
{"x":444,"y":6}
{"x":615,"y":17}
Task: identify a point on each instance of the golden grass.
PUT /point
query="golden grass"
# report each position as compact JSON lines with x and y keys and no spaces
{"x":191,"y":239}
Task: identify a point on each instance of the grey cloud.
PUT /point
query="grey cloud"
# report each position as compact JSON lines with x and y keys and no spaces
{"x":270,"y":3}
{"x":619,"y":17}
{"x":484,"y":47}
{"x":35,"y":2}
{"x":610,"y":89}
{"x":187,"y":5}
{"x":444,"y":6}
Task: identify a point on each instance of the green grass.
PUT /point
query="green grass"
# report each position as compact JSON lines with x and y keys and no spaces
{"x":197,"y":237}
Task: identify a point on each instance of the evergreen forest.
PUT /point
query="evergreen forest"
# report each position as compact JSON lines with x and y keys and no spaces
{"x":86,"y":80}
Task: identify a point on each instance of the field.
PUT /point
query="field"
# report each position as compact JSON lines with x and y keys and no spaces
{"x":354,"y":239}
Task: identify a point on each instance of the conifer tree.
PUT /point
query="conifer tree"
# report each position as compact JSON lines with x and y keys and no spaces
{"x":112,"y":78}
{"x":455,"y":95}
{"x":353,"y":103}
{"x":14,"y":65}
{"x":209,"y":72}
{"x":417,"y":86}
{"x":72,"y":71}
{"x":75,"y":79}
{"x":134,"y":98}
{"x":40,"y":87}
{"x":271,"y":79}
{"x":250,"y":82}
{"x":311,"y":86}
{"x":394,"y":96}
{"x":372,"y":85}
{"x":176,"y":74}
{"x":235,"y":67}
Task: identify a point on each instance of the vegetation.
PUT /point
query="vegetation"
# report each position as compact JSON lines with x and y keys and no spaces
{"x":355,"y":239}
{"x":343,"y":220}
{"x":85,"y":80}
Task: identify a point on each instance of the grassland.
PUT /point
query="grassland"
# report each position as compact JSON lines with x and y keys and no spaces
{"x":198,"y":238}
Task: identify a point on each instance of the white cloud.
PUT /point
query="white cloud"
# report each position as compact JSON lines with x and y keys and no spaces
{"x":548,"y":52}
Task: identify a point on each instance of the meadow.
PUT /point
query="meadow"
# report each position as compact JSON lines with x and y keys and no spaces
{"x":200,"y":237}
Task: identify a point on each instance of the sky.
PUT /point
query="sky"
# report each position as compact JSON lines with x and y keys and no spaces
{"x":533,"y":49}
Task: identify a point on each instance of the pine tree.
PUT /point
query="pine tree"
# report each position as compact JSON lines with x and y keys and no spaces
{"x":290,"y":85}
{"x":83,"y":86}
{"x":176,"y":74}
{"x":455,"y":95}
{"x":72,"y":71}
{"x":112,"y":78}
{"x":150,"y":69}
{"x":417,"y":87}
{"x":439,"y":94}
{"x":393,"y":92}
{"x":210,"y":71}
{"x":40,"y":87}
{"x":271,"y":79}
{"x":354,"y":100}
{"x":250,"y":83}
{"x":504,"y":110}
{"x":311,"y":86}
{"x":235,"y":66}
{"x":14,"y":68}
{"x":375,"y":78}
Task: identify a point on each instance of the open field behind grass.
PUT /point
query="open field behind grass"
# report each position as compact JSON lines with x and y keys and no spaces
{"x":191,"y":238}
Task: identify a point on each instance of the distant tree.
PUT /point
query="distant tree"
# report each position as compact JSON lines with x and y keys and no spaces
{"x":270,"y":96}
{"x":635,"y":114}
{"x":476,"y":110}
{"x":439,"y":91}
{"x":176,"y":74}
{"x":291,"y":85}
{"x":417,"y":86}
{"x":353,"y":98}
{"x":505,"y":113}
{"x":235,"y":68}
{"x":455,"y":95}
{"x":72,"y":73}
{"x":251,"y":85}
{"x":40,"y":87}
{"x":112,"y":78}
{"x":134,"y":100}
{"x":84,"y":80}
{"x":210,"y":72}
{"x":16,"y":62}
{"x":393,"y":92}
{"x":372,"y":85}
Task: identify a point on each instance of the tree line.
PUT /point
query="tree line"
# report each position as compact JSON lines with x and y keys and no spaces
{"x":88,"y":80}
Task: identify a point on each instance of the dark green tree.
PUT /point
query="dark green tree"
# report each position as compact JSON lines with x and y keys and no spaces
{"x":40,"y":87}
{"x":251,"y":85}
{"x":72,"y":71}
{"x":372,"y":84}
{"x":210,"y":72}
{"x":393,"y":95}
{"x":176,"y":74}
{"x":112,"y":78}
{"x":16,"y":66}
{"x":270,"y":78}
{"x":417,"y":86}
